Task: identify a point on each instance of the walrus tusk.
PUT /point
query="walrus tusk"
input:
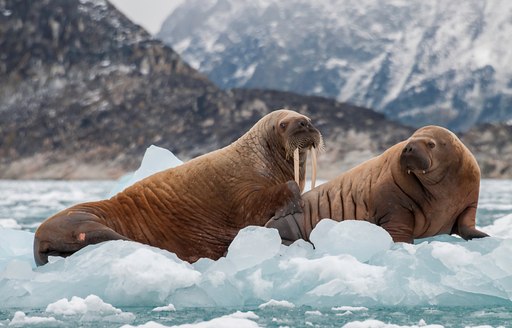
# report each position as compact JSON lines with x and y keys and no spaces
{"x":313,"y":167}
{"x":296,"y":165}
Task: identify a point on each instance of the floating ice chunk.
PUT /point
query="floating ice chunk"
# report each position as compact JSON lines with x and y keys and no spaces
{"x":120,"y":272}
{"x":328,"y":278}
{"x":21,"y":319}
{"x":160,"y":270}
{"x":454,"y":256}
{"x":349,"y":308}
{"x":442,"y":270}
{"x":78,"y":305}
{"x":371,"y":323}
{"x":244,"y":315}
{"x":253,"y":245}
{"x":500,"y":227}
{"x":17,"y":270}
{"x":235,"y":320}
{"x":360,"y":239}
{"x":155,"y":159}
{"x":91,"y":308}
{"x":169,"y":307}
{"x":16,"y":244}
{"x":274,"y":303}
{"x":261,"y":287}
{"x":9,"y":224}
{"x":300,"y":248}
{"x":316,"y":312}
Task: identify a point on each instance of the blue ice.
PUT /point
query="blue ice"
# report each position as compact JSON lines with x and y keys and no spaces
{"x":257,"y":268}
{"x":353,"y":263}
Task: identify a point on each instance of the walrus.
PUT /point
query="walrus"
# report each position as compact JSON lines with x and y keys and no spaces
{"x":196,"y":209}
{"x":421,"y":187}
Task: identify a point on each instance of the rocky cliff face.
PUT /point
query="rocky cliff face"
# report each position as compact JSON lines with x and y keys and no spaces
{"x":83,"y":92}
{"x":82,"y":84}
{"x":436,"y":62}
{"x":492,"y":146}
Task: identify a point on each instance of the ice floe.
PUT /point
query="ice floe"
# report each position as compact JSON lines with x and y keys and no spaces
{"x":444,"y":270}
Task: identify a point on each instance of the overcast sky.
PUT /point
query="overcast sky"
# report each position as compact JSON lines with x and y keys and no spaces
{"x":149,"y":14}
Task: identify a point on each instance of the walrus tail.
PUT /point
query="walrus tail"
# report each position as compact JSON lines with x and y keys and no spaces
{"x":68,"y":232}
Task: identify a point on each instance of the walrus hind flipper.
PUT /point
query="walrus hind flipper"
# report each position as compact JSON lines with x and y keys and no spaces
{"x":65,"y":234}
{"x":289,"y":227}
{"x":471,"y":233}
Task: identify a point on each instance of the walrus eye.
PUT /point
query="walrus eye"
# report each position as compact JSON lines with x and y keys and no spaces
{"x":282,"y":125}
{"x":431,"y":144}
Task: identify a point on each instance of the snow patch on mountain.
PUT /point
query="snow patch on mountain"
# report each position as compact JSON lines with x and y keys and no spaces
{"x":418,"y":61}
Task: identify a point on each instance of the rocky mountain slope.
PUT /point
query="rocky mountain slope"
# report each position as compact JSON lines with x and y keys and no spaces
{"x":419,"y":62}
{"x":492,"y":146}
{"x":83,"y":92}
{"x":82,"y":85}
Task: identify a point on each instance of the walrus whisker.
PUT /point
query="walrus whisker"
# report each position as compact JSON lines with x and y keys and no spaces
{"x":296,"y":165}
{"x":313,"y":167}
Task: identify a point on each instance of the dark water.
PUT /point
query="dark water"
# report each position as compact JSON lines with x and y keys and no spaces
{"x":302,"y":316}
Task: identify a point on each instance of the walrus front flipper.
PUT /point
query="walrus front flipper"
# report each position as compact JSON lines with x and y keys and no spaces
{"x":68,"y":232}
{"x":465,"y":225}
{"x":289,"y":227}
{"x":470,"y":233}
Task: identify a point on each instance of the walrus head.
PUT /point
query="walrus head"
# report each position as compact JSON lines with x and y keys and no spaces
{"x":430,"y":151}
{"x":298,"y":136}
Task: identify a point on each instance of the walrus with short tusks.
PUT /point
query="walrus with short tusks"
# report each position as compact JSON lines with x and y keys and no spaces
{"x":196,"y":209}
{"x":421,"y":187}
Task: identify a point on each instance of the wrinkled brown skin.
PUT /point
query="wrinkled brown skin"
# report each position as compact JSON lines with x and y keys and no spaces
{"x":196,"y":209}
{"x":443,"y":200}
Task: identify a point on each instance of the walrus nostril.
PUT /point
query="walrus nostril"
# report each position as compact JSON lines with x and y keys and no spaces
{"x":408,"y":149}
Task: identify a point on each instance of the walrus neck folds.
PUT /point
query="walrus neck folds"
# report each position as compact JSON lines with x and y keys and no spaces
{"x":263,"y":147}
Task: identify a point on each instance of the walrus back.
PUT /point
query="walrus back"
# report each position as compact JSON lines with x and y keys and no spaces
{"x":350,"y":195}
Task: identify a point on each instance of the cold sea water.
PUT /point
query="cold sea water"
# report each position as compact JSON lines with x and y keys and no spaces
{"x":355,"y":277}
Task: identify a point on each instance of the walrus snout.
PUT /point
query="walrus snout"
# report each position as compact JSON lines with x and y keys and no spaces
{"x":305,"y":125}
{"x":415,"y":155}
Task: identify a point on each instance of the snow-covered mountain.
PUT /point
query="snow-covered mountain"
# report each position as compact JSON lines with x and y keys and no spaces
{"x":442,"y":62}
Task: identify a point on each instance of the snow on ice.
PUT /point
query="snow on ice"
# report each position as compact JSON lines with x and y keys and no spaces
{"x":21,"y":319}
{"x":89,"y":309}
{"x":169,"y":307}
{"x":234,"y":320}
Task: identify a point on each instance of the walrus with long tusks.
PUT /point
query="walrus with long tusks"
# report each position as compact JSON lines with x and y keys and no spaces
{"x":421,"y":187}
{"x":196,"y":209}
